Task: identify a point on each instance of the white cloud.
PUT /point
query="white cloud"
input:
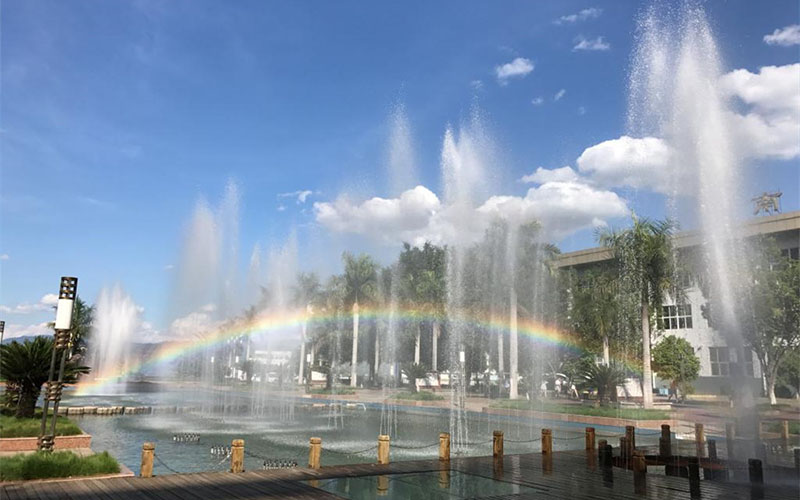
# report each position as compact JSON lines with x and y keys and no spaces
{"x":561,"y":207}
{"x":770,"y":126}
{"x":543,"y":175}
{"x":4,"y":257}
{"x":300,"y":196}
{"x":381,"y":218}
{"x":581,"y":110}
{"x":518,"y":68}
{"x":45,"y":303}
{"x":786,"y":37}
{"x":583,"y":15}
{"x":627,"y":161}
{"x":594,"y":44}
{"x":537,"y":101}
{"x":559,"y":94}
{"x":418,"y":215}
{"x":16,"y":330}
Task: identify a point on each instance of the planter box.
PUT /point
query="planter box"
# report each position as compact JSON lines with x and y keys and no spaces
{"x":61,"y":443}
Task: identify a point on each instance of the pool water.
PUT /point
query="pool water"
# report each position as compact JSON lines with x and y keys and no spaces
{"x":434,"y":485}
{"x":281,"y":429}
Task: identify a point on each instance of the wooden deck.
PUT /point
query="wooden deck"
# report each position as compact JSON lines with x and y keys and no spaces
{"x":571,"y":475}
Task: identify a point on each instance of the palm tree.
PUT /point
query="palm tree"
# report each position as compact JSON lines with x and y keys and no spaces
{"x":360,"y":275}
{"x":605,"y":378}
{"x":595,"y":306}
{"x":644,"y":256}
{"x":25,"y":367}
{"x":414,"y":371}
{"x":423,"y":288}
{"x":307,"y":293}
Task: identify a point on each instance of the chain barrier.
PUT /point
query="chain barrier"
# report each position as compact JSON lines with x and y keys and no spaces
{"x":569,"y":438}
{"x":165,"y":465}
{"x":352,"y":452}
{"x":523,"y":441}
{"x":414,"y":447}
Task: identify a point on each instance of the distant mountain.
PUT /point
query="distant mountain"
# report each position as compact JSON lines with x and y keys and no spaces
{"x":23,"y":338}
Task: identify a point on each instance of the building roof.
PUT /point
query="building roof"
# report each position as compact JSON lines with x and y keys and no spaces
{"x":770,"y":224}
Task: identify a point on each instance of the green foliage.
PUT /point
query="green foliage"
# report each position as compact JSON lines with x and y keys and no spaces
{"x":11,"y":427}
{"x":605,"y":379}
{"x":789,"y":373}
{"x":766,"y":301}
{"x":334,"y":390}
{"x":360,"y":278}
{"x":575,"y":409}
{"x":674,"y":359}
{"x":418,"y":396}
{"x":414,"y":371}
{"x":42,"y":465}
{"x":25,"y":367}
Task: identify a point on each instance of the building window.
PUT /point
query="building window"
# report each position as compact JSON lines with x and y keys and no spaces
{"x":792,"y":253}
{"x":720,"y":361}
{"x":746,"y":360}
{"x":676,"y":317}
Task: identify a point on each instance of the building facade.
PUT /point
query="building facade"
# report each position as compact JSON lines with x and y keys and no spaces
{"x":685,"y":319}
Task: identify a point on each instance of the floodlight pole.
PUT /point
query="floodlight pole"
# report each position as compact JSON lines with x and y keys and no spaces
{"x":61,"y":340}
{"x":2,"y":330}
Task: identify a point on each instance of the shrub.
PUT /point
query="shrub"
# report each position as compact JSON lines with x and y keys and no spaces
{"x":11,"y":427}
{"x":418,"y":396}
{"x":41,"y":465}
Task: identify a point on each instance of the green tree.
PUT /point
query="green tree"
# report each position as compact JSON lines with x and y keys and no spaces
{"x":423,"y":289}
{"x":674,"y":359}
{"x":767,"y":298}
{"x":594,"y":308}
{"x":647,"y":265}
{"x":360,"y":276}
{"x":307,"y":295}
{"x":605,"y":378}
{"x":414,"y":371}
{"x":26,"y":366}
{"x":789,"y":373}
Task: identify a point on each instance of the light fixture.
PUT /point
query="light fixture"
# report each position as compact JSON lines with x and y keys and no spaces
{"x":67,"y":293}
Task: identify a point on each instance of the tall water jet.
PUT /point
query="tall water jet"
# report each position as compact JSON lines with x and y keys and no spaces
{"x":402,"y":168}
{"x":676,"y":96}
{"x":116,"y":323}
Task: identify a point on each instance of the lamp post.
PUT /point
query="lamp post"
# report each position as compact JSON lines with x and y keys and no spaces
{"x":61,"y":340}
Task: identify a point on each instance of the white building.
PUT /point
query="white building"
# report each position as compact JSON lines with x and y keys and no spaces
{"x":686,"y":320}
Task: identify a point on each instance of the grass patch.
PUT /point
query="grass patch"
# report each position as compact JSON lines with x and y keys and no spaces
{"x":42,"y":465}
{"x":11,"y":427}
{"x":794,"y":427}
{"x":418,"y":396}
{"x":335,"y":390}
{"x":627,"y":413}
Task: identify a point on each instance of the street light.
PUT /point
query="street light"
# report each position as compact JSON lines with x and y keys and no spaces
{"x":61,"y":340}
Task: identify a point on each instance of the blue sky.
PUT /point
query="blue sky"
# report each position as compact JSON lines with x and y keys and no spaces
{"x":118,"y":116}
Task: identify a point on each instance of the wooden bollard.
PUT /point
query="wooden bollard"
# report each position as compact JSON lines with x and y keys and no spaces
{"x":785,"y":435}
{"x":630,"y":433}
{"x":590,"y":438}
{"x":639,"y":473}
{"x":383,"y":449}
{"x":797,"y":461}
{"x":700,"y":439}
{"x":444,"y":447}
{"x":237,"y":455}
{"x":756,"y":471}
{"x":547,"y":441}
{"x":601,"y":451}
{"x":694,"y":477}
{"x":497,"y":444}
{"x":383,"y":485}
{"x":148,"y":453}
{"x":665,"y":442}
{"x":730,"y":440}
{"x":624,"y":451}
{"x":314,"y":453}
{"x":708,"y":472}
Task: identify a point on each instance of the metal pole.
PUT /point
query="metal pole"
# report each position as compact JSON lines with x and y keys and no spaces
{"x":66,"y":301}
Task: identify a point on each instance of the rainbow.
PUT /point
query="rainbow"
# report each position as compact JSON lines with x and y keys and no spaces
{"x":538,"y":332}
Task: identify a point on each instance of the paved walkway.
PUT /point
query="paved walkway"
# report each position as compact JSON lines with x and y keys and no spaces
{"x":572,"y":475}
